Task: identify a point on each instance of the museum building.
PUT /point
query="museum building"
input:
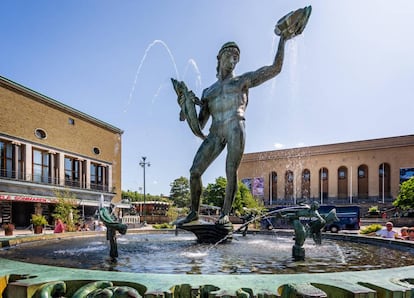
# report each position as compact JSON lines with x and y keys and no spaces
{"x":49,"y":150}
{"x":360,"y":172}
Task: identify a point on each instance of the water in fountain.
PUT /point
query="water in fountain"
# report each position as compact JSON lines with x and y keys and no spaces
{"x":191,"y":62}
{"x":167,"y":253}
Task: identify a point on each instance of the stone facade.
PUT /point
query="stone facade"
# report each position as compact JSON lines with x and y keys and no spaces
{"x":353,"y":172}
{"x":48,"y":146}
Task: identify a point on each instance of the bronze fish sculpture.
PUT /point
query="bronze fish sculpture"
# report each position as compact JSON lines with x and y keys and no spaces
{"x":187,"y":101}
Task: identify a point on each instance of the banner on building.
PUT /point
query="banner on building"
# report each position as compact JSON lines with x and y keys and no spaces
{"x":255,"y":185}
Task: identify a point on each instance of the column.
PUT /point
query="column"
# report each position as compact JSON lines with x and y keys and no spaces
{"x":88,"y":174}
{"x":61,"y":169}
{"x":29,"y":162}
{"x":52,"y":166}
{"x":109,"y":178}
{"x":15,"y":166}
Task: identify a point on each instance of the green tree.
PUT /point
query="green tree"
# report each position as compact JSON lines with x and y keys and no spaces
{"x":135,"y":196}
{"x":66,"y":209}
{"x":180,"y":192}
{"x":405,"y":198}
{"x":214,"y":193}
{"x":244,"y":199}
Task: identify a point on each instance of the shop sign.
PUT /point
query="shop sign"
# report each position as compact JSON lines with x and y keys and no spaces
{"x":26,"y":199}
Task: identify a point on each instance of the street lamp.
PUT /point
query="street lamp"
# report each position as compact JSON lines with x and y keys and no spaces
{"x":143,"y":163}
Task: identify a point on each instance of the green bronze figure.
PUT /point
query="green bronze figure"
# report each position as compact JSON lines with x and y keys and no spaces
{"x":225,"y":102}
{"x":112,"y":226}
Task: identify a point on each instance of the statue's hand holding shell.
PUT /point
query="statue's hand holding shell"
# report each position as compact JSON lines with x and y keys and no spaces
{"x":293,"y":23}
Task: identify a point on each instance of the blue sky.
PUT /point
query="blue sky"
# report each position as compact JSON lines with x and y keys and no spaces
{"x":348,"y":77}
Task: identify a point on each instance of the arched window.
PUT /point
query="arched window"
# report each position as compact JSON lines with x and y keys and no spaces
{"x":274,"y":186}
{"x":363,"y":182}
{"x":289,"y":185}
{"x":306,"y":184}
{"x":342,"y":182}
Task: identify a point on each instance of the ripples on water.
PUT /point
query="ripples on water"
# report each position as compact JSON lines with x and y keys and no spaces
{"x":167,"y":253}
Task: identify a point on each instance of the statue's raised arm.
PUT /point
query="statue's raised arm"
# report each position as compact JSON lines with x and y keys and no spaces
{"x":289,"y":26}
{"x":187,"y":102}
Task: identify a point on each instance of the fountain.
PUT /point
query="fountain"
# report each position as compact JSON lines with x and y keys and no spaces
{"x":161,"y":264}
{"x":19,"y":279}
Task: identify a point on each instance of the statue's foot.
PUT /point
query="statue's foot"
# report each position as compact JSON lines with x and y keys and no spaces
{"x":223,"y":219}
{"x":189,"y":218}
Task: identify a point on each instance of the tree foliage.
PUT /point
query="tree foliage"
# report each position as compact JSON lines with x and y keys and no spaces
{"x":135,"y":196}
{"x":215,"y":192}
{"x":66,"y":209}
{"x":244,"y":199}
{"x":180,"y":192}
{"x":405,"y":198}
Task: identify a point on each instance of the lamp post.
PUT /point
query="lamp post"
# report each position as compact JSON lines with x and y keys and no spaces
{"x":143,"y":163}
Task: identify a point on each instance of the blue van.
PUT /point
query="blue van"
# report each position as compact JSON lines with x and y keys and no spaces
{"x":349,"y":218}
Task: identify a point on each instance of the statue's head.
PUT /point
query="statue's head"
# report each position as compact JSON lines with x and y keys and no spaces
{"x":228,"y":46}
{"x":314,"y":205}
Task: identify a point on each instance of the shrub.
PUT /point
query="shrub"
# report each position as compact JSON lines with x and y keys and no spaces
{"x":162,"y":226}
{"x":373,"y":209}
{"x":370,"y":229}
{"x":39,"y":220}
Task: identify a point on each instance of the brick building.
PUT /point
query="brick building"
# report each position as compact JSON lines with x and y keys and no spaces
{"x":368,"y":171}
{"x":46,"y":146}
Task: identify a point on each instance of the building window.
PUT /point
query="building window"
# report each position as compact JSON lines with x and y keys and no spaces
{"x":99,"y":177}
{"x":40,"y":133}
{"x":11,"y":160}
{"x":289,"y":176}
{"x":41,"y":166}
{"x":6,"y":159}
{"x":72,"y":171}
{"x":289,"y":185}
{"x":71,"y":121}
{"x":96,"y":150}
{"x":306,"y":175}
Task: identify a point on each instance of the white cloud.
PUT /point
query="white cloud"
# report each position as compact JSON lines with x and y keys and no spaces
{"x":278,"y":145}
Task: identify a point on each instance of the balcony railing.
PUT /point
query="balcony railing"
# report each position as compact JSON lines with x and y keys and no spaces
{"x":47,"y":180}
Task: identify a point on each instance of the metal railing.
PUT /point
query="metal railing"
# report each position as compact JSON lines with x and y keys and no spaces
{"x":48,"y":180}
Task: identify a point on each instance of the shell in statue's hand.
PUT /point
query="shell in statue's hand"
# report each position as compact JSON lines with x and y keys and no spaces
{"x":293,"y":23}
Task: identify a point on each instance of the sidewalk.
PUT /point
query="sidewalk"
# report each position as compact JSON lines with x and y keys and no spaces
{"x":23,"y":232}
{"x":27,"y":232}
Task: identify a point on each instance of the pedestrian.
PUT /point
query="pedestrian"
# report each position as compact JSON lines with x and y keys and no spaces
{"x":388,"y":231}
{"x":404,"y":232}
{"x":410,"y":232}
{"x":59,"y":226}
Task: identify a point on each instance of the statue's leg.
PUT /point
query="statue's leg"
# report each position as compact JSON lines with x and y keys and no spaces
{"x":208,"y":151}
{"x":235,"y":149}
{"x":300,"y":232}
{"x":298,"y":252}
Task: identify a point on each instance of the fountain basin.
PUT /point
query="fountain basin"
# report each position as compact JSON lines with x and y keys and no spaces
{"x":167,"y":253}
{"x":24,"y":278}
